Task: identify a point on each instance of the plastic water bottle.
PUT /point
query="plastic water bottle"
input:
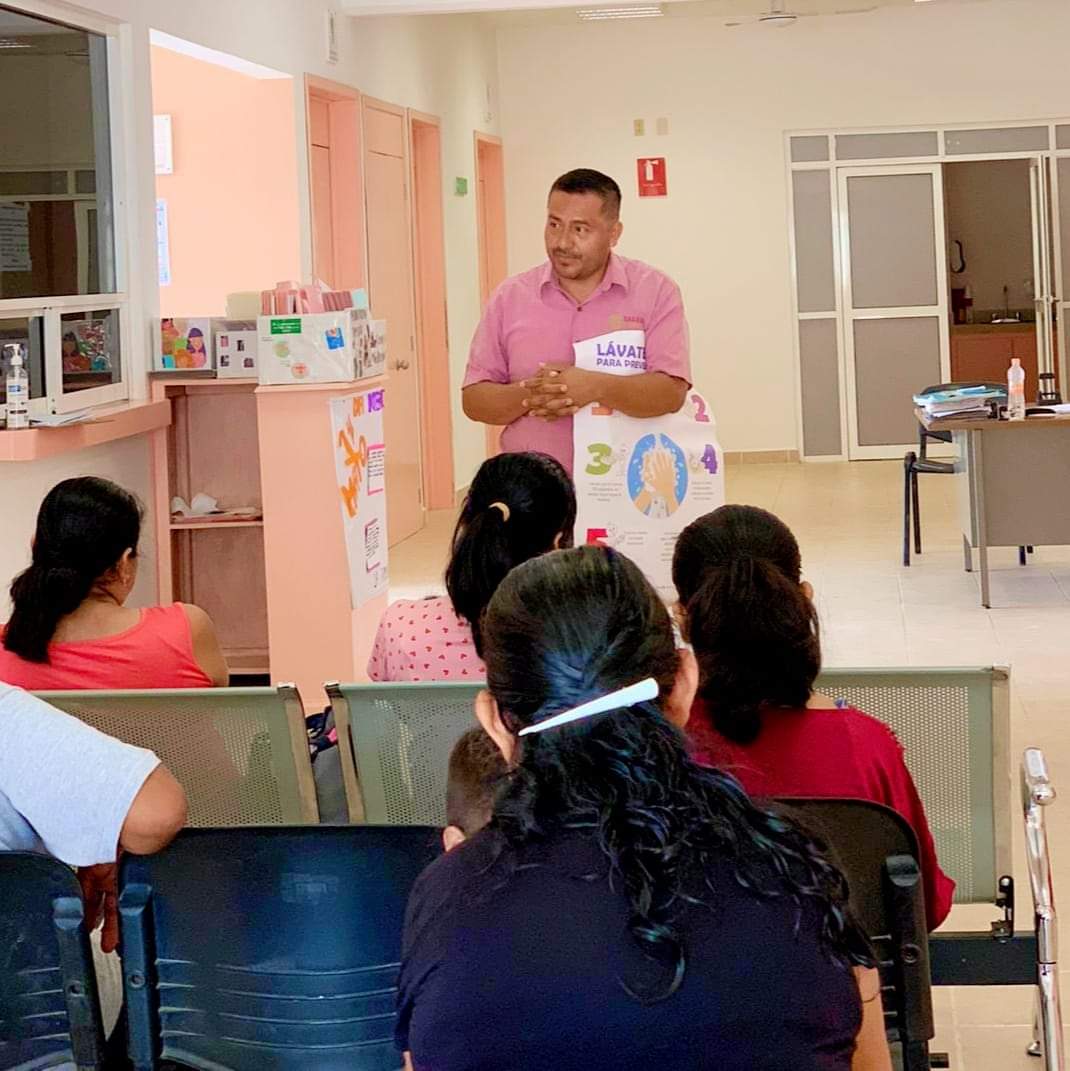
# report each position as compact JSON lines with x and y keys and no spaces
{"x":1016,"y":390}
{"x":18,"y":388}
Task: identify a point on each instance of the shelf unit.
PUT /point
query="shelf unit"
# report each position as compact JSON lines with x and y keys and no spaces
{"x":278,"y":588}
{"x":212,"y":446}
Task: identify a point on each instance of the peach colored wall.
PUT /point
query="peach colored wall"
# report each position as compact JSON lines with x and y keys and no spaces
{"x":232,"y":201}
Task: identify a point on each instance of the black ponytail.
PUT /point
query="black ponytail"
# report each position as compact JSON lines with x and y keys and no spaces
{"x":577,"y":624}
{"x":84,"y":527}
{"x":517,"y":507}
{"x":753,"y":629}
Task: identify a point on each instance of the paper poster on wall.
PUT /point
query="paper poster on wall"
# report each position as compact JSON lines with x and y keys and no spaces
{"x":162,"y":146}
{"x":639,"y":483}
{"x":15,"y":238}
{"x":163,"y":243}
{"x":360,"y":468}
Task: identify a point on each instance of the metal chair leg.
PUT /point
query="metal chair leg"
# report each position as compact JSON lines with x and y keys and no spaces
{"x":1036,"y":1046}
{"x":917,"y":509}
{"x":908,"y":467}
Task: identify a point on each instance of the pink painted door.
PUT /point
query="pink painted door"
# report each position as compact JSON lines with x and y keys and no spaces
{"x":322,"y":229}
{"x":390,"y":292}
{"x":490,"y":219}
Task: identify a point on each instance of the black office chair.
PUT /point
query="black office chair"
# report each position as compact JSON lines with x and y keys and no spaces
{"x":877,"y":851}
{"x":269,"y":948}
{"x":49,"y":1011}
{"x":915,"y":462}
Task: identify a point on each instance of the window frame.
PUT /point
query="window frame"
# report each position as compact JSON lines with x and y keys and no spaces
{"x":51,"y":307}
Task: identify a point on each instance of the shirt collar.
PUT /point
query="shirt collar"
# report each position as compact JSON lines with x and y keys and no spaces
{"x":615,"y":276}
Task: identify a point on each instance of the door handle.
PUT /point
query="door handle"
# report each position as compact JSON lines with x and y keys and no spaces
{"x":401,"y":366}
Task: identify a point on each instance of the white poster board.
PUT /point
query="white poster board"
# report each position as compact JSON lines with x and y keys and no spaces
{"x":360,"y":467}
{"x":163,"y":244}
{"x":640,"y":482}
{"x":15,"y":237}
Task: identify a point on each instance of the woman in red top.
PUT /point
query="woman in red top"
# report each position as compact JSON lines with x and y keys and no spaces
{"x":750,"y":618}
{"x":70,"y":628}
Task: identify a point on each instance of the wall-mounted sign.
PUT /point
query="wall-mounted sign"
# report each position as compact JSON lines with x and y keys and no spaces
{"x":652,"y":178}
{"x":161,"y":144}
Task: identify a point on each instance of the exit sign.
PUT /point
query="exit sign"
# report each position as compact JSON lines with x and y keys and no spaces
{"x":652,"y":178}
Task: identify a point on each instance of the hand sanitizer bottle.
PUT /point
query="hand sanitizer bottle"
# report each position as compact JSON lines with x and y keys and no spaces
{"x":18,"y":388}
{"x":1016,"y":390}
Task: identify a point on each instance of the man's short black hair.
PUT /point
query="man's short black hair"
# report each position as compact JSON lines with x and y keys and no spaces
{"x":584,"y":180}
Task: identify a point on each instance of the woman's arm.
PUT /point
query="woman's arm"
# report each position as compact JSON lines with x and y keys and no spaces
{"x":871,"y":1045}
{"x":206,"y":650}
{"x":408,"y":1062}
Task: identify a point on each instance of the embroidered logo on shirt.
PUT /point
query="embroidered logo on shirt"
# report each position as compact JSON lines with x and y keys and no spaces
{"x":617,"y":321}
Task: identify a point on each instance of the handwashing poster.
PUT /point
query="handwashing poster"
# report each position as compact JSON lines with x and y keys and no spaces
{"x":360,"y":467}
{"x":640,"y":482}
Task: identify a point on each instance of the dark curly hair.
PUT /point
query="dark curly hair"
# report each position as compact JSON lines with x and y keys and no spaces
{"x":575,"y":624}
{"x":753,"y":629}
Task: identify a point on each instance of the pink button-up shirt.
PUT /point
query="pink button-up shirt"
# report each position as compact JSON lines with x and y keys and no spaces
{"x":530,"y":320}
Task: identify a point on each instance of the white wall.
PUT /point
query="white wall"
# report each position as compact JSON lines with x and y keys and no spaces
{"x":570,"y":93}
{"x":441,"y":66}
{"x":25,"y":484}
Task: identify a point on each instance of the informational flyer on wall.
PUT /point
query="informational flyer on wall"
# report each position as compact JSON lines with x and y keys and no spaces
{"x":360,"y":467}
{"x":640,"y":482}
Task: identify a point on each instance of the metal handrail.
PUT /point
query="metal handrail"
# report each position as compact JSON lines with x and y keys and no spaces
{"x":1038,"y":793}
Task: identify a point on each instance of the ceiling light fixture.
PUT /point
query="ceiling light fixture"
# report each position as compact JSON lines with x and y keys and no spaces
{"x":634,"y":11}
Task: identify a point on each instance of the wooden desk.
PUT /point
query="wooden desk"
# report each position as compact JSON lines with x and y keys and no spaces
{"x":1012,"y":478}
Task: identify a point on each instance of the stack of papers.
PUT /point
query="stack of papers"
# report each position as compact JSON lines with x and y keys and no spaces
{"x":960,"y":402}
{"x":59,"y":420}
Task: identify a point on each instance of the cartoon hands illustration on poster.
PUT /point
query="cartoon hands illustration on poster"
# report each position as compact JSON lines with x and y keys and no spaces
{"x":657,"y":476}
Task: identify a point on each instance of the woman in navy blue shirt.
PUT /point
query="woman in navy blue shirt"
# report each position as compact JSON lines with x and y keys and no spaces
{"x":625,"y":908}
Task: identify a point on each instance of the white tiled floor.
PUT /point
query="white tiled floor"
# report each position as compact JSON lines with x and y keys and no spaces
{"x":848,"y":519}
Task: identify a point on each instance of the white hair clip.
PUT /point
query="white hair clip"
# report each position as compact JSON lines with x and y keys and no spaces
{"x":622,"y":697}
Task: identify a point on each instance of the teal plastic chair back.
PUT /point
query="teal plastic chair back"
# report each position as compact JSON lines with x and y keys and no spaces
{"x":400,"y":737}
{"x":954,"y":725}
{"x":269,"y":949}
{"x":241,"y":754}
{"x":49,"y":1011}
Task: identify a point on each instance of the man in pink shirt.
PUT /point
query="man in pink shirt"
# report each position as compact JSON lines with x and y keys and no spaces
{"x":521,"y":368}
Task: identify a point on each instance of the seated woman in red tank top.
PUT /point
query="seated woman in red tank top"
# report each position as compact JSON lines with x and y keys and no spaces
{"x":70,"y":627}
{"x":750,"y":618}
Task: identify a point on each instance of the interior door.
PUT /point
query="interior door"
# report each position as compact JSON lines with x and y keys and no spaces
{"x":1044,"y":298}
{"x":391,"y":295}
{"x":895,"y":301}
{"x":490,"y":222}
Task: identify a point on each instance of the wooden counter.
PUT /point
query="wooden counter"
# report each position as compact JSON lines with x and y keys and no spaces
{"x":105,"y":425}
{"x":983,"y":352}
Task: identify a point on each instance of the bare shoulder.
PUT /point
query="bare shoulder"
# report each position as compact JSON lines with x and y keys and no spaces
{"x":199,"y":622}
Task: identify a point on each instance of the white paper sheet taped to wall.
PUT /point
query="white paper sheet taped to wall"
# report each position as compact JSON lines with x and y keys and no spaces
{"x":15,"y":238}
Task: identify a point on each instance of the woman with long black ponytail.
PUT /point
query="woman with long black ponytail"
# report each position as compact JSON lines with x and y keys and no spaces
{"x":519,"y":506}
{"x":70,"y":626}
{"x":626,"y":908}
{"x":750,"y":619}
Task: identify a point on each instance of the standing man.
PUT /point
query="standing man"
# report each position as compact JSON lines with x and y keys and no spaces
{"x":521,"y":370}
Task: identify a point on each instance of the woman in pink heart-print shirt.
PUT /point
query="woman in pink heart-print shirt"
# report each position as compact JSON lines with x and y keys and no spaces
{"x":518,"y":507}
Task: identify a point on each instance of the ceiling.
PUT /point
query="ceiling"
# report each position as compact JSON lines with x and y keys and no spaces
{"x":523,"y":10}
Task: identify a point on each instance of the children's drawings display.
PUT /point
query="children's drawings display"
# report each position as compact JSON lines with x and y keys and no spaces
{"x":640,"y":482}
{"x":360,"y":467}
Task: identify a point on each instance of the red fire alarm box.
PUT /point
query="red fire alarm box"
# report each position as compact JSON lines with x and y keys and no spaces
{"x":652,"y":180}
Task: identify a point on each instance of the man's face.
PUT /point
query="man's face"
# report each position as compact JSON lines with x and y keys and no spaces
{"x":579,"y":234}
